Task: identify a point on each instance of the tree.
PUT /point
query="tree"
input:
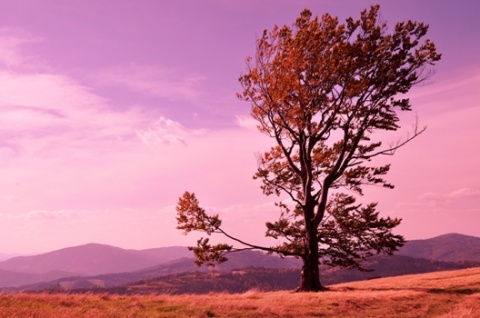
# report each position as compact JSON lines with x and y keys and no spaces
{"x":323,"y":90}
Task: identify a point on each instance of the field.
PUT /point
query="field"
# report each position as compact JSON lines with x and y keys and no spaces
{"x":452,"y":294}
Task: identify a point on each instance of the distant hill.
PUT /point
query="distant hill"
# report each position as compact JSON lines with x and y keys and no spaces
{"x":92,"y":259}
{"x":14,"y":279}
{"x":4,"y":256}
{"x":183,"y":276}
{"x":269,"y":279}
{"x":100,"y":266}
{"x":448,"y":248}
{"x":388,"y":266}
{"x":186,"y":264}
{"x":233,"y":281}
{"x":236,"y":280}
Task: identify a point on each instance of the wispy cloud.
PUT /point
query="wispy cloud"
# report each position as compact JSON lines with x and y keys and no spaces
{"x":36,"y":100}
{"x":42,"y":108}
{"x":171,"y":84}
{"x":8,"y":197}
{"x":463,"y":199}
{"x":246,"y":122}
{"x":47,"y":214}
{"x":464,"y":193}
{"x":11,"y":42}
{"x":165,"y":131}
{"x":73,"y":149}
{"x":95,"y":113}
{"x":41,"y":111}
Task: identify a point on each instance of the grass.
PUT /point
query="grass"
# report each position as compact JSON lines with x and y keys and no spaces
{"x":441,"y":294}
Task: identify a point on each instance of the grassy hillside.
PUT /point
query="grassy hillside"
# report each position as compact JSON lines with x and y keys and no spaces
{"x":441,"y":294}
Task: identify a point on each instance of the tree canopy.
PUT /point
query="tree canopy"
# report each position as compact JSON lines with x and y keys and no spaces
{"x":323,"y":90}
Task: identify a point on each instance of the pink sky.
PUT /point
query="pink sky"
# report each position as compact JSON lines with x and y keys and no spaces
{"x":110,"y":110}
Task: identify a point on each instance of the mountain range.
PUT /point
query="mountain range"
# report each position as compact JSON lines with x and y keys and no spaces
{"x":4,"y":256}
{"x":447,"y":248}
{"x":93,"y":259}
{"x":172,"y":270}
{"x":85,"y":260}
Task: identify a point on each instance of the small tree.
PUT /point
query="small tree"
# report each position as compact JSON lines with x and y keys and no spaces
{"x":322,"y":89}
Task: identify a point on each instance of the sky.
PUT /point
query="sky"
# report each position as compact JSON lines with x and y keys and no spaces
{"x":110,"y":110}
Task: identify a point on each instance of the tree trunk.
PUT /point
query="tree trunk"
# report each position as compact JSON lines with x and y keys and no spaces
{"x":310,"y":276}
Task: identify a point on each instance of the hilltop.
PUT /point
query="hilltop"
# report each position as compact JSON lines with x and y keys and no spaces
{"x":93,"y":259}
{"x":452,"y":247}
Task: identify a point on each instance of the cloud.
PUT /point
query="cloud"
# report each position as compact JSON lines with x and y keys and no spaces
{"x":53,"y":114}
{"x":155,"y":80}
{"x":165,"y":131}
{"x":8,"y":197}
{"x":247,"y":122}
{"x":451,"y":197}
{"x":44,"y":110}
{"x":464,"y":193}
{"x":11,"y":42}
{"x":466,"y":199}
{"x":47,"y":214}
{"x":30,"y":101}
{"x":459,"y":88}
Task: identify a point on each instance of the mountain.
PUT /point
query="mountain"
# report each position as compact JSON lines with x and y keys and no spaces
{"x":100,"y":266}
{"x":4,"y":256}
{"x":244,"y":259}
{"x":183,"y":276}
{"x":174,"y":279}
{"x":108,"y":277}
{"x":13,"y":279}
{"x":388,"y":266}
{"x":92,"y":259}
{"x":233,"y":281}
{"x":238,"y":260}
{"x":451,"y":247}
{"x":269,"y":279}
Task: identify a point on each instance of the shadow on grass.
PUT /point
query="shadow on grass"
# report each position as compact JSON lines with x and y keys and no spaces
{"x":438,"y":291}
{"x":459,"y":291}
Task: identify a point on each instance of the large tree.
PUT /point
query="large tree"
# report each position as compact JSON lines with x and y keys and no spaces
{"x":323,"y":91}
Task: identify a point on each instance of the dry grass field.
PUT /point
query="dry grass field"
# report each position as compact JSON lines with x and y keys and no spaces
{"x":452,"y":294}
